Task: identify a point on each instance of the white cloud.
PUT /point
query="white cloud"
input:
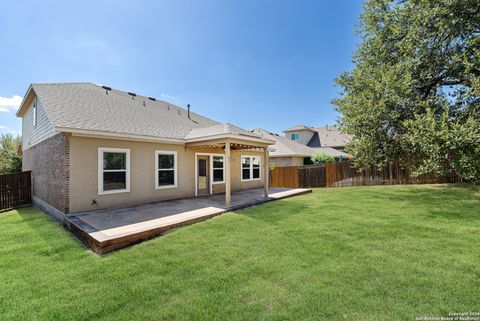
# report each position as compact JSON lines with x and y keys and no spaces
{"x":3,"y":127}
{"x":13,"y":103}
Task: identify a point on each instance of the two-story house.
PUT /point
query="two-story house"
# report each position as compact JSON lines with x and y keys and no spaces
{"x":318,"y":137}
{"x":301,"y":142}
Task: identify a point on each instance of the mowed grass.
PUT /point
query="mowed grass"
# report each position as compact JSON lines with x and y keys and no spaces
{"x":363,"y":253}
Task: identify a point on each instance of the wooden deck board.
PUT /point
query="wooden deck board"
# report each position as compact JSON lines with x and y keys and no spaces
{"x":106,"y":240}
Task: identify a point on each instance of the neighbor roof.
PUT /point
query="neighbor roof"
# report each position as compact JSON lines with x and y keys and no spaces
{"x":85,"y":106}
{"x":332,"y":152}
{"x":329,"y":136}
{"x":283,"y":146}
{"x":299,"y":128}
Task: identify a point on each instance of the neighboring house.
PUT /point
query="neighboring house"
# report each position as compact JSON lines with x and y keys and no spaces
{"x":91,"y":147}
{"x":286,"y":152}
{"x":317,"y":138}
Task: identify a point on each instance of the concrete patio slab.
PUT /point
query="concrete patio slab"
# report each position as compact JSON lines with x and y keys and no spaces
{"x":110,"y":229}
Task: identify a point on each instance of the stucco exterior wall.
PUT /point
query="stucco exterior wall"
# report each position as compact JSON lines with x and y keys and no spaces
{"x":49,"y":163}
{"x":286,"y":161}
{"x":84,"y":173}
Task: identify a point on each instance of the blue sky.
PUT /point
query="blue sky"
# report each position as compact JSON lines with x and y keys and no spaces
{"x":268,"y":64}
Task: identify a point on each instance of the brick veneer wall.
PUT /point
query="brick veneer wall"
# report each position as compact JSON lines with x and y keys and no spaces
{"x":49,"y":162}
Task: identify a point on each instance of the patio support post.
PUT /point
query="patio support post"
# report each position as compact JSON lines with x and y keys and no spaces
{"x":228,"y":179}
{"x":266,"y":171}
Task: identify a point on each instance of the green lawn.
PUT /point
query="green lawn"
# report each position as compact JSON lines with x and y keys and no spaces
{"x":363,"y":253}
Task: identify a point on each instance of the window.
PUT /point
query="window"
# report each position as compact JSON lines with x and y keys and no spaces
{"x":165,"y":169}
{"x":295,"y":136}
{"x":34,"y":113}
{"x":113,"y":170}
{"x":251,"y":168}
{"x":218,"y":169}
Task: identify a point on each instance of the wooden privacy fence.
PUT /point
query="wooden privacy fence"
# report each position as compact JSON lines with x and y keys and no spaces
{"x":295,"y":176}
{"x":284,"y":177}
{"x":15,"y":190}
{"x":344,"y":174}
{"x":312,"y":176}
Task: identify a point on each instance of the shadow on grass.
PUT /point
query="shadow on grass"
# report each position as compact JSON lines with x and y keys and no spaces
{"x":51,"y":233}
{"x":449,"y":201}
{"x":278,"y":210}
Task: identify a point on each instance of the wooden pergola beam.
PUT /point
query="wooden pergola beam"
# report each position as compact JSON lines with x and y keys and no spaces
{"x":227,"y":145}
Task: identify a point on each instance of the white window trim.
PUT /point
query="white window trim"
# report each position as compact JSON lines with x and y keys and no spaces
{"x":295,"y":134}
{"x":175,"y":171}
{"x":100,"y":170}
{"x":211,"y":171}
{"x":35,"y":112}
{"x":251,"y":168}
{"x":223,"y":168}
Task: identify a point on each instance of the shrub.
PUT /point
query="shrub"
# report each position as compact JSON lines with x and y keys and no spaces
{"x":322,"y":158}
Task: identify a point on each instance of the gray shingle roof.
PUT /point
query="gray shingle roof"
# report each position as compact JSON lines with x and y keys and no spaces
{"x":298,"y":128}
{"x":329,"y":136}
{"x":332,"y":152}
{"x":284,"y":146}
{"x":218,"y":130}
{"x":86,"y":106}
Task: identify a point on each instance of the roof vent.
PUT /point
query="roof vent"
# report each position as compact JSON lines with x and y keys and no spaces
{"x":152,"y":98}
{"x":107,"y":89}
{"x":188,"y":106}
{"x":144,"y":104}
{"x":132,"y":94}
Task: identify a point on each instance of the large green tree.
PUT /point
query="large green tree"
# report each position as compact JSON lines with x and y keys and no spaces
{"x":10,"y":161}
{"x":416,"y":74}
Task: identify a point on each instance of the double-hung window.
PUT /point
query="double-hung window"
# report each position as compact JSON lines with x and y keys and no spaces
{"x":218,"y":167}
{"x":295,"y":136}
{"x":113,"y":170}
{"x":165,"y":169}
{"x":251,"y":168}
